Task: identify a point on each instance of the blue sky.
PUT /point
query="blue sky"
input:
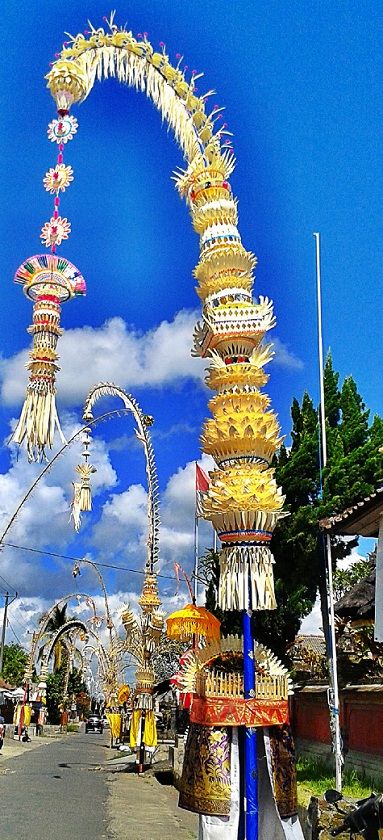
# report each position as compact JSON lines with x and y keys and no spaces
{"x":300,"y":83}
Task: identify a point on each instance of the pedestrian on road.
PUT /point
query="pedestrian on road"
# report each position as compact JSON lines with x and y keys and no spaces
{"x":2,"y":731}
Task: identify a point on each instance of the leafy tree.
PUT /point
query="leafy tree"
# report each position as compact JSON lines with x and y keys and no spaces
{"x":56,"y":688}
{"x":166,"y":660}
{"x":14,"y":664}
{"x":332,"y":394}
{"x":345,"y":579}
{"x":57,"y":620}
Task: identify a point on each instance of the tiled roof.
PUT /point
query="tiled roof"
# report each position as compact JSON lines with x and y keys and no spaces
{"x":310,"y":642}
{"x":364,"y":515}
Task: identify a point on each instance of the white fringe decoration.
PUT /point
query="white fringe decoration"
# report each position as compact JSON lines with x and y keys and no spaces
{"x":76,"y":505}
{"x":144,"y":701}
{"x":137,"y":72}
{"x":246,"y":578}
{"x":37,"y":422}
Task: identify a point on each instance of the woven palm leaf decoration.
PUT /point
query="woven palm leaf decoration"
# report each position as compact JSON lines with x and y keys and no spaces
{"x":243,"y":502}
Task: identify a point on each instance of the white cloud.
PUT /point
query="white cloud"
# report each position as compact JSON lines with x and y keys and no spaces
{"x":313,"y":624}
{"x":284,"y":357}
{"x":113,"y":352}
{"x":123,"y":525}
{"x":48,"y":505}
{"x":116,"y":352}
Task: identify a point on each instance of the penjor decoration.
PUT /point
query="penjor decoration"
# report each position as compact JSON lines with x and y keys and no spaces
{"x":243,"y":501}
{"x":48,"y":281}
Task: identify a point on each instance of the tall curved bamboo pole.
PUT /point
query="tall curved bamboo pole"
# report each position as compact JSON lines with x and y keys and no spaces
{"x":92,"y":422}
{"x":109,"y":621}
{"x":144,"y":421}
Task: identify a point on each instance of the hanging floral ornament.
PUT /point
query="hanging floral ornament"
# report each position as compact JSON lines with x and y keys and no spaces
{"x":49,"y":281}
{"x":58,"y":178}
{"x":82,"y":497}
{"x":67,"y":84}
{"x":54,"y":231}
{"x":63,"y":129}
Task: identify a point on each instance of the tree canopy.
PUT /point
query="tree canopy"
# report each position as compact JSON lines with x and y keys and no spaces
{"x":56,"y":694}
{"x":14,"y":664}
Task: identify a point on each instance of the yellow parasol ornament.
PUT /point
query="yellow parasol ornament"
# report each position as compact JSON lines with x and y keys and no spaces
{"x":192,"y":621}
{"x":123,"y":694}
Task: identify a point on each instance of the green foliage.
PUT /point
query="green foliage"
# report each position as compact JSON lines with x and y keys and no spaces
{"x":314,"y":777}
{"x":14,"y":664}
{"x":165,"y":661}
{"x":56,"y":687}
{"x":354,"y":468}
{"x":345,"y":579}
{"x":57,"y":619}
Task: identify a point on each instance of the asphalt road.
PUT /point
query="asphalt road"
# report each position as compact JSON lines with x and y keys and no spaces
{"x":57,"y":791}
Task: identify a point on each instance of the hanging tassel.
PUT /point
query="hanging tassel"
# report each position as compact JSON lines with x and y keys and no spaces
{"x":239,"y":565}
{"x":49,"y":281}
{"x":38,"y":419}
{"x":85,"y":471}
{"x":82,"y":495}
{"x":75,"y":506}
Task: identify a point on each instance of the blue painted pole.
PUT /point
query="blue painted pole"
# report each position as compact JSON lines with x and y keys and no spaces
{"x":251,"y":772}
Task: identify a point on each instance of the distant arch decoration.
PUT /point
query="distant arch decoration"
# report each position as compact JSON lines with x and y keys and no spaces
{"x":65,"y":630}
{"x":243,"y":501}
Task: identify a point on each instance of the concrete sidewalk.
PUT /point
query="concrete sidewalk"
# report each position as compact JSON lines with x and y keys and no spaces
{"x":141,"y":808}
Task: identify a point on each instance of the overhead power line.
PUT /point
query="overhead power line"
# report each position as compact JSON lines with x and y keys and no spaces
{"x":79,"y":559}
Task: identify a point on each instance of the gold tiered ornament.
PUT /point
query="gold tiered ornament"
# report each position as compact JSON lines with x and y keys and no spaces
{"x":49,"y":281}
{"x":243,"y":501}
{"x":213,"y":677}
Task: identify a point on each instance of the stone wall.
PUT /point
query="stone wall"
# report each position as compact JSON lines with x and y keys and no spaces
{"x":361,"y":717}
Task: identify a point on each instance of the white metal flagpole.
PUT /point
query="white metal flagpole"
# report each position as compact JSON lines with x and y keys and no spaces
{"x":196,"y":547}
{"x":333,"y":668}
{"x":196,"y":556}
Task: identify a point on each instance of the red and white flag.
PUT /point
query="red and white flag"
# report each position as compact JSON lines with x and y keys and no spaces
{"x":202,"y":483}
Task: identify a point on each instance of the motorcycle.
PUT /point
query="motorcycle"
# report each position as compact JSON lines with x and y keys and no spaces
{"x":366,"y":819}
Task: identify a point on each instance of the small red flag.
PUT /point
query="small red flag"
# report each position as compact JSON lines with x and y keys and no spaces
{"x":202,"y":483}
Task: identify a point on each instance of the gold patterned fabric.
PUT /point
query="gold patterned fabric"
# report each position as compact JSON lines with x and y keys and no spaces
{"x":205,"y":782}
{"x":115,"y":722}
{"x":236,"y":711}
{"x":283,"y":770}
{"x":134,"y":728}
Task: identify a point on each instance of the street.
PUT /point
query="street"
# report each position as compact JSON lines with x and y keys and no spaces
{"x":62,"y":788}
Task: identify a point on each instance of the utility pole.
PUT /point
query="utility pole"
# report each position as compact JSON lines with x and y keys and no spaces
{"x":6,"y":605}
{"x":333,"y":693}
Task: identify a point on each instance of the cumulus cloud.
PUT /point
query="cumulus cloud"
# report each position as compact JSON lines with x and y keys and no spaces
{"x":116,"y":352}
{"x":113,"y":352}
{"x":48,"y":504}
{"x":284,"y":357}
{"x":123,"y":525}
